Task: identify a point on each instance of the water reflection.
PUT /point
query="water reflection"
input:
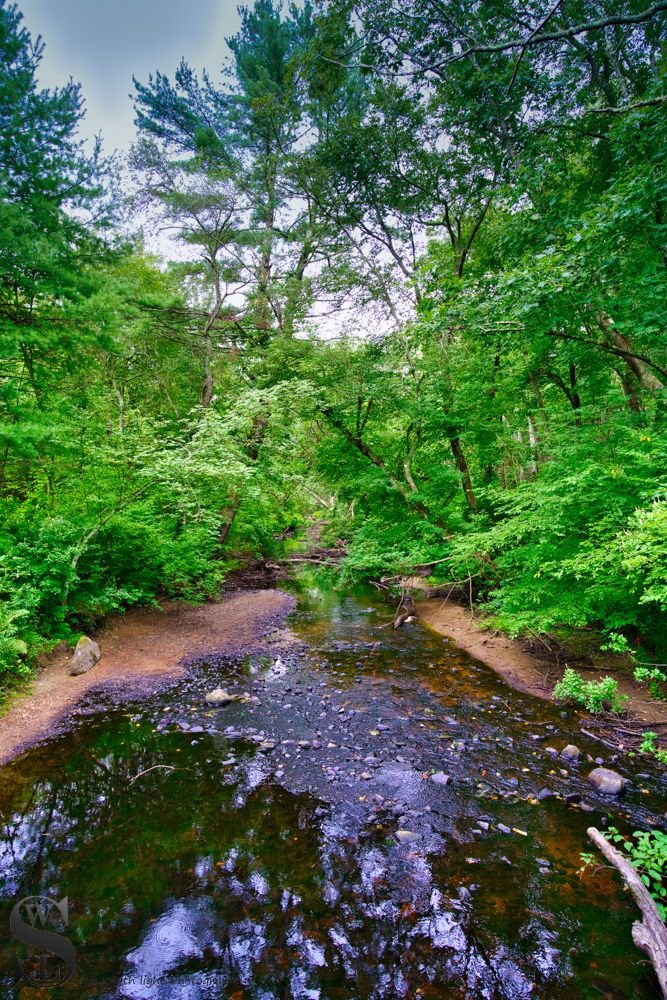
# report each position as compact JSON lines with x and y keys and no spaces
{"x":194,"y":872}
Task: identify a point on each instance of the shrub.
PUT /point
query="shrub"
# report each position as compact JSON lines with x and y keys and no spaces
{"x":653,"y":677}
{"x":11,"y":646}
{"x":616,"y":643}
{"x":595,"y":696}
{"x":649,"y":744}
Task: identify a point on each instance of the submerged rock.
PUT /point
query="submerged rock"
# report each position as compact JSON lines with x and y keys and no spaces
{"x":86,"y":655}
{"x":607,"y":781}
{"x":570,"y":752}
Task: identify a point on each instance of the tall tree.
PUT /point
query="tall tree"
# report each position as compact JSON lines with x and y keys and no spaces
{"x":52,"y":222}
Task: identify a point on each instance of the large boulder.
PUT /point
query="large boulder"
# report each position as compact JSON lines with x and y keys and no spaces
{"x":86,"y":655}
{"x":607,"y":781}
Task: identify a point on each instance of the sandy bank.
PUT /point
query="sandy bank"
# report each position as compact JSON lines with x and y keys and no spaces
{"x":141,"y":650}
{"x":526,"y":671}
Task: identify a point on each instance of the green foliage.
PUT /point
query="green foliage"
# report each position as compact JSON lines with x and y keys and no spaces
{"x":11,"y":646}
{"x":653,"y":677}
{"x":649,"y":745}
{"x":595,"y":696}
{"x":616,"y":643}
{"x":647,"y":852}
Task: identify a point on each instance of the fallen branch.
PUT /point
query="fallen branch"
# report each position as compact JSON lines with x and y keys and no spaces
{"x":408,"y":614}
{"x":594,"y":736}
{"x":164,"y":767}
{"x":649,"y":934}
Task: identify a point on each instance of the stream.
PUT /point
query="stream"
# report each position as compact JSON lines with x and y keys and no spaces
{"x":296,"y":845}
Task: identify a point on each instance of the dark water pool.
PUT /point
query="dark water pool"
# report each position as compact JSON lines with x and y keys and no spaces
{"x":295,"y":845}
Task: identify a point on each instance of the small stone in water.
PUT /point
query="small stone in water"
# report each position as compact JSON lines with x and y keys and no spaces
{"x":220,"y":697}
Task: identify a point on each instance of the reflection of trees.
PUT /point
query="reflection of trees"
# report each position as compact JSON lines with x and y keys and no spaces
{"x":168,"y":877}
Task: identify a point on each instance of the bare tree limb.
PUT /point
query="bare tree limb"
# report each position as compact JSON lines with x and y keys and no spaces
{"x":650,"y":933}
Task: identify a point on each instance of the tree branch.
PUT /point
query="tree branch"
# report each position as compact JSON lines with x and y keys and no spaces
{"x":649,"y":934}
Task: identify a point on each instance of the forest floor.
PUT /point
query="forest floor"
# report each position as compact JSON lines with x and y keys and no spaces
{"x":534,"y":666}
{"x":142,"y":650}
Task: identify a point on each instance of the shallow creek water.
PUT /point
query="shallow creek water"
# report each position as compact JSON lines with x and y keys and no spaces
{"x":262,"y":858}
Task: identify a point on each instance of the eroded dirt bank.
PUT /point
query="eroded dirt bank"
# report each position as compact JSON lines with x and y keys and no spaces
{"x":518,"y":668}
{"x":526,"y":671}
{"x":141,"y":651}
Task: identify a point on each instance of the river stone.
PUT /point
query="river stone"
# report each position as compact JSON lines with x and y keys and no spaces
{"x":219,"y":697}
{"x":406,"y":836}
{"x":570,"y":752}
{"x":607,"y":781}
{"x":86,"y":655}
{"x":440,"y":778}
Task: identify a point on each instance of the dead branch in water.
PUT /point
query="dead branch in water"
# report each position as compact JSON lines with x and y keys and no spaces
{"x":649,"y":934}
{"x":408,"y":614}
{"x":155,"y":767}
{"x":594,"y":736}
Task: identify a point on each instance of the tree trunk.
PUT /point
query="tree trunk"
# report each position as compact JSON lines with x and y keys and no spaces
{"x":228,"y":517}
{"x":462,"y":465}
{"x":642,"y":372}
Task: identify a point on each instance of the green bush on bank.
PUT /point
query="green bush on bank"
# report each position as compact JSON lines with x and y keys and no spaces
{"x":595,"y":696}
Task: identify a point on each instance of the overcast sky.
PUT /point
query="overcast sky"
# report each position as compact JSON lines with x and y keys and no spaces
{"x":103,"y":43}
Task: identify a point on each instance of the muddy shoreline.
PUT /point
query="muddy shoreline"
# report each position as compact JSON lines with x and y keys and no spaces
{"x":143,"y":651}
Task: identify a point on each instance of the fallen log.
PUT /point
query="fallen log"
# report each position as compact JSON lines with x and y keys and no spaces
{"x":650,"y":933}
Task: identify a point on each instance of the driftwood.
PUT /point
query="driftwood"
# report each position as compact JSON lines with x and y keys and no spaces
{"x":405,"y":612}
{"x":649,"y":934}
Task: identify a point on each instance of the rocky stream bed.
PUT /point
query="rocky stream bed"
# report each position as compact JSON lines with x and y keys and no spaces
{"x":376,"y":815}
